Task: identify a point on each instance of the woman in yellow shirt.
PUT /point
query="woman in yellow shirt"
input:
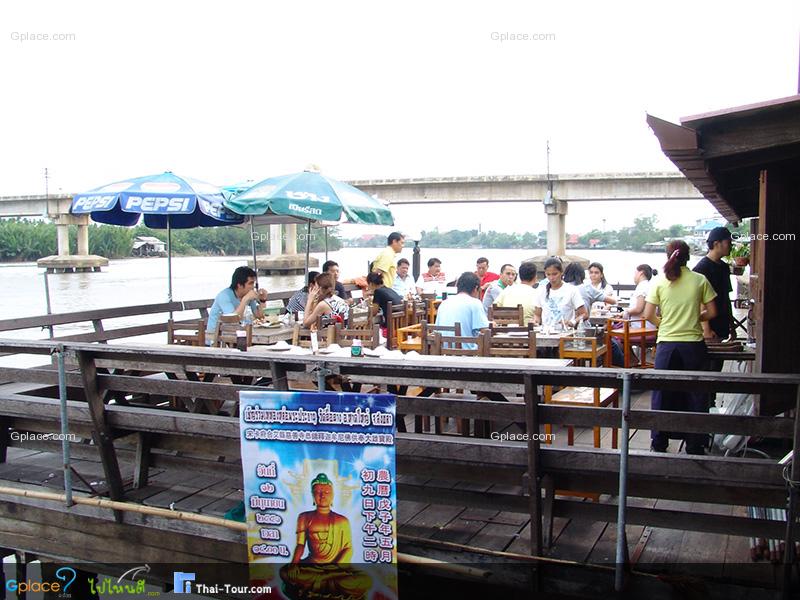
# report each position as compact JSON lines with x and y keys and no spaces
{"x":685,"y":298}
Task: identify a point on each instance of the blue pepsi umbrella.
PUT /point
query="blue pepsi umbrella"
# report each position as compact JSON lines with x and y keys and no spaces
{"x":167,"y":201}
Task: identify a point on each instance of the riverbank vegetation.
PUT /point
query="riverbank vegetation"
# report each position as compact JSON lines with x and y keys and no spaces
{"x":23,"y":240}
{"x":644,"y":231}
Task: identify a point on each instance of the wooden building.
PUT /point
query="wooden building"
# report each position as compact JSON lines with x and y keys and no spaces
{"x":746,"y":162}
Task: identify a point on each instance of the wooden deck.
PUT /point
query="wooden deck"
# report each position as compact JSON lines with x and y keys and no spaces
{"x":462,"y":499}
{"x":651,"y":549}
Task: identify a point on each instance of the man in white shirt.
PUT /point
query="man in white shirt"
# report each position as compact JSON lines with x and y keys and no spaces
{"x":403,"y":281}
{"x":434,"y":281}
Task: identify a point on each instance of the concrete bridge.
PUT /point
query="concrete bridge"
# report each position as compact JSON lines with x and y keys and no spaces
{"x":508,"y":188}
{"x":534,"y":188}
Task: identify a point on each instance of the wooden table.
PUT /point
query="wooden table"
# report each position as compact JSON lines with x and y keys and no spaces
{"x":270,"y":335}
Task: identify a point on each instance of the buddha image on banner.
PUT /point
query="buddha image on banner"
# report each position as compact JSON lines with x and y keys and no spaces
{"x":320,"y":494}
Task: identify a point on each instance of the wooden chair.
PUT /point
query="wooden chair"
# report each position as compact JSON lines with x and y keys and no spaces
{"x":500,"y":343}
{"x":507,"y":315}
{"x":431,"y":306}
{"x":633,"y":332}
{"x":370,"y":338}
{"x":301,"y":336}
{"x":225,"y":334}
{"x":427,"y":332}
{"x":454,"y":345}
{"x":396,"y":318}
{"x":591,"y":353}
{"x":189,"y":333}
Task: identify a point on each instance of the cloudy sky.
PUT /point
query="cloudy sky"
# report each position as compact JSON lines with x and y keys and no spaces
{"x":239,"y":90}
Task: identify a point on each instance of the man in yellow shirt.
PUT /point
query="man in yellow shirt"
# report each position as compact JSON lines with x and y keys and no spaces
{"x":521,"y":293}
{"x":385,"y":263}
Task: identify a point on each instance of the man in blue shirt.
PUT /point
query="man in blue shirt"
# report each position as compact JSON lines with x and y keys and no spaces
{"x":236,"y":299}
{"x":465,"y":308}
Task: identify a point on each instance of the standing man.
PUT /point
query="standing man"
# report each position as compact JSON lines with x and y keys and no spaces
{"x":385,"y":262}
{"x":332,"y":267}
{"x":485,"y":277}
{"x":235,"y":299}
{"x":403,"y":282}
{"x":508,"y":274}
{"x":718,"y":274}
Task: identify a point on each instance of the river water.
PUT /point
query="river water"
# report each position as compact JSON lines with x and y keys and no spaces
{"x":135,"y":281}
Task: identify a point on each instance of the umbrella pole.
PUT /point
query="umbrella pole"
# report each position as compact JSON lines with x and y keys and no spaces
{"x":308,"y":245}
{"x":253,"y":246}
{"x":326,"y":243}
{"x":169,"y":262}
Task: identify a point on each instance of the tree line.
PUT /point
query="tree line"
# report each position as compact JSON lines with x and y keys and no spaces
{"x":23,"y":240}
{"x":643,"y":231}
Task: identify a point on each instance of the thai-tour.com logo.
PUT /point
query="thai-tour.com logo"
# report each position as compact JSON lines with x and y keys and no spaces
{"x":65,"y":576}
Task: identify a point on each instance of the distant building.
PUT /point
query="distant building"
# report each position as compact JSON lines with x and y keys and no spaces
{"x":148,"y":246}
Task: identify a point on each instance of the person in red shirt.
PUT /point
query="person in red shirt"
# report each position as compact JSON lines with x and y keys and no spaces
{"x":485,"y":276}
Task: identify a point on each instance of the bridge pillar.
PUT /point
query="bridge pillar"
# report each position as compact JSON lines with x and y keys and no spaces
{"x":290,"y":241}
{"x":64,"y":262}
{"x":556,"y":212}
{"x":62,"y":232}
{"x":83,"y":240}
{"x":275,"y":240}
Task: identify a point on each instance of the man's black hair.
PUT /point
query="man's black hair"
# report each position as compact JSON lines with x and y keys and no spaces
{"x":328,"y":264}
{"x":468,"y":282}
{"x":393,"y":237}
{"x":240,"y":277}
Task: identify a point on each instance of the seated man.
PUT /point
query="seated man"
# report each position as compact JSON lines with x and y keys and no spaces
{"x":464,"y":308}
{"x":434,"y":281}
{"x":403,"y":281}
{"x":522,"y":293}
{"x":332,"y":267}
{"x":235,"y":299}
{"x":508,"y":275}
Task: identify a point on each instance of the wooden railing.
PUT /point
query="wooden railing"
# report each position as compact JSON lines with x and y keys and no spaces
{"x":142,"y":430}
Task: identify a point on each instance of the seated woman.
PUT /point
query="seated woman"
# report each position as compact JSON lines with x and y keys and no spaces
{"x":597,"y":279}
{"x":559,"y":303}
{"x":323,"y":302}
{"x":382,"y":295}
{"x":575,"y":275}
{"x":298,"y":300}
{"x":642,"y":277}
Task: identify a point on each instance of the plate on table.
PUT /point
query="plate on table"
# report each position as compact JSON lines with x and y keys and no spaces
{"x":515,"y":333}
{"x":280,"y":346}
{"x":268,"y":325}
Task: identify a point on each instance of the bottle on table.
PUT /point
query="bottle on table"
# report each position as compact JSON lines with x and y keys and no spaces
{"x":355,"y":349}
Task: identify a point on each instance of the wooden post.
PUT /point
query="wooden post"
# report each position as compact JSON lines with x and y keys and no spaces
{"x":534,"y":477}
{"x":791,"y":510}
{"x":101,"y":432}
{"x":279,"y":381}
{"x":5,"y":439}
{"x":141,"y":465}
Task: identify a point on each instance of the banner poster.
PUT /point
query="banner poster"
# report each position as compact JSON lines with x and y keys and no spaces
{"x":320,"y":494}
